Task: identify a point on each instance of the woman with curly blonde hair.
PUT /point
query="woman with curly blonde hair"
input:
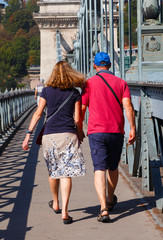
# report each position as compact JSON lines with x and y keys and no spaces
{"x":62,"y":134}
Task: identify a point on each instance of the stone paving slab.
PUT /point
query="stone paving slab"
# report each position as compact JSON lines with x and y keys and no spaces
{"x":25,"y":193}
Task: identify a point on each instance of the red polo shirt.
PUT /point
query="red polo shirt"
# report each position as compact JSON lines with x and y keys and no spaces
{"x":105,"y":114}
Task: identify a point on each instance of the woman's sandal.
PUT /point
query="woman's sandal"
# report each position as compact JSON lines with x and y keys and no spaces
{"x":51,"y":206}
{"x":68,"y":221}
{"x":104,"y":218}
{"x":111,"y":205}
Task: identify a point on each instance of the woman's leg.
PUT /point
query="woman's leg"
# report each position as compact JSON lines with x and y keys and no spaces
{"x":66,"y":184}
{"x":54,"y":186}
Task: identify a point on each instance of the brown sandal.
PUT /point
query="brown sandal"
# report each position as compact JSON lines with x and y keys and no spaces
{"x":111,"y":205}
{"x":104,"y":218}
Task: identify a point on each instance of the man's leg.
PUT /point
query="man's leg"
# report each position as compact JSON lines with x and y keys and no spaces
{"x":115,"y":144}
{"x":112,"y":178}
{"x":100,"y":185}
{"x":98,"y":154}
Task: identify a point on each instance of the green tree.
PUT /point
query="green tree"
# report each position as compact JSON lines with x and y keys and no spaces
{"x":4,"y":36}
{"x":34,"y":43}
{"x":34,"y":31}
{"x":4,"y":75}
{"x":15,"y":53}
{"x":1,"y":16}
{"x":34,"y":57}
{"x":6,"y":53}
{"x":31,"y":5}
{"x":19,"y":42}
{"x":34,"y":52}
{"x":11,"y":82}
{"x":14,"y":5}
{"x":133,"y":23}
{"x":20,"y":56}
{"x":20,"y":19}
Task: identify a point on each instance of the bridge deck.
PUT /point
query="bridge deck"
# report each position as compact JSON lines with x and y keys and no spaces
{"x":25,"y":194}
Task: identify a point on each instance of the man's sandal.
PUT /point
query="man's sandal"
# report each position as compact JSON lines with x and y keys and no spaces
{"x":111,"y":205}
{"x":104,"y":218}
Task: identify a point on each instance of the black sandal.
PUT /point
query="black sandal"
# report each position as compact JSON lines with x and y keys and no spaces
{"x":104,"y":218}
{"x":51,"y":206}
{"x":111,"y":205}
{"x":68,"y":221}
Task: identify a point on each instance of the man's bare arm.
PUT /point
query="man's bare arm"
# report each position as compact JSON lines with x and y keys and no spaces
{"x":130,"y":114}
{"x":84,"y":107}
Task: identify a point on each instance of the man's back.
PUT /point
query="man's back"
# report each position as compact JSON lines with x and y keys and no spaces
{"x":105,"y":113}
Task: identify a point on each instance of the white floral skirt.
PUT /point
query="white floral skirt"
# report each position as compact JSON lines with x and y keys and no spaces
{"x":63,"y":155}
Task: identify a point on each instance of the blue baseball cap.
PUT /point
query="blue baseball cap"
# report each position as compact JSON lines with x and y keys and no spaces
{"x":102,"y":57}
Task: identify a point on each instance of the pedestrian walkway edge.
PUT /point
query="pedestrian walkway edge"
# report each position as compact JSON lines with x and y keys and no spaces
{"x":141,"y":197}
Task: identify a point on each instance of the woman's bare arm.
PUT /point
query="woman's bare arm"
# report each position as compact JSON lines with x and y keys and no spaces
{"x":35,"y":118}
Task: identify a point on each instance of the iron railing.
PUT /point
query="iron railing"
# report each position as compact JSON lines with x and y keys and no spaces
{"x":98,"y":24}
{"x":14,"y":106}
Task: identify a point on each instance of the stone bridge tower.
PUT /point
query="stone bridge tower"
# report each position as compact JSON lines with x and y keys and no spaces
{"x":54,"y":16}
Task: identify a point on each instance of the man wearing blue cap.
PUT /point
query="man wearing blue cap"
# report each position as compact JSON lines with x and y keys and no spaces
{"x":106,"y":95}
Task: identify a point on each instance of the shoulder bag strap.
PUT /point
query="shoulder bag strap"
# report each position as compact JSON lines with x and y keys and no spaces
{"x":59,"y":108}
{"x":110,"y":89}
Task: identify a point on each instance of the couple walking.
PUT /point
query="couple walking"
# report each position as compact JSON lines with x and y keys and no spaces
{"x":63,"y":132}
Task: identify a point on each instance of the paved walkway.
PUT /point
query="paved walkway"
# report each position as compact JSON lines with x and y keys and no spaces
{"x":25,"y":194}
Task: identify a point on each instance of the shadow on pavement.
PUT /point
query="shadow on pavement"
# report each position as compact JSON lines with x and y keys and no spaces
{"x":130,"y":207}
{"x":122,"y":210}
{"x":17,"y":173}
{"x":92,"y":211}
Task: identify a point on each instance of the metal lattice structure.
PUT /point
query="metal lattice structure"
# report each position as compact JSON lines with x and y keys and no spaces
{"x":97,"y":21}
{"x":14,"y":108}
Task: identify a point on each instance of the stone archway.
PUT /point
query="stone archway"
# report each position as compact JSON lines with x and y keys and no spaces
{"x":56,"y":15}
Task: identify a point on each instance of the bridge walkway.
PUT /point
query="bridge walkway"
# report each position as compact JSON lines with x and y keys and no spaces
{"x":25,"y":195}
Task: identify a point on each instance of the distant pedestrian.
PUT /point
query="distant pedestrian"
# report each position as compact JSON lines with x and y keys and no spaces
{"x":63,"y":133}
{"x":106,"y":95}
{"x":38,"y":90}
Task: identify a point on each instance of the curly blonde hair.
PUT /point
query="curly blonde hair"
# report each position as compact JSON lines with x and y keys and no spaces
{"x":64,"y":77}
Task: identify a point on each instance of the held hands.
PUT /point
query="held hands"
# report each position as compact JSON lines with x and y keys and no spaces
{"x":81,"y":136}
{"x":25,"y":142}
{"x":132,"y":136}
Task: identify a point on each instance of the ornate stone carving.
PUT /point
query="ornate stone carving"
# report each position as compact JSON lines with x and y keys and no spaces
{"x":153,"y":45}
{"x":56,"y":22}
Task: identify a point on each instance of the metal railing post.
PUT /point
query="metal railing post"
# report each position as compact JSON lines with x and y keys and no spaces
{"x":121,"y":34}
{"x":91,"y":37}
{"x":106,"y":26}
{"x":58,"y":43}
{"x":139,"y":22}
{"x":102,"y":27}
{"x":84,"y":45}
{"x":160,"y":7}
{"x":95,"y":22}
{"x":111,"y":35}
{"x":129,"y":27}
{"x":87,"y":40}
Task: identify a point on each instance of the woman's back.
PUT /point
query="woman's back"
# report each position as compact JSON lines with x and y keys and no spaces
{"x":63,"y":121}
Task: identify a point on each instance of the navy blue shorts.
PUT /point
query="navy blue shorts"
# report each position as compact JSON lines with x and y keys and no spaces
{"x":106,"y":149}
